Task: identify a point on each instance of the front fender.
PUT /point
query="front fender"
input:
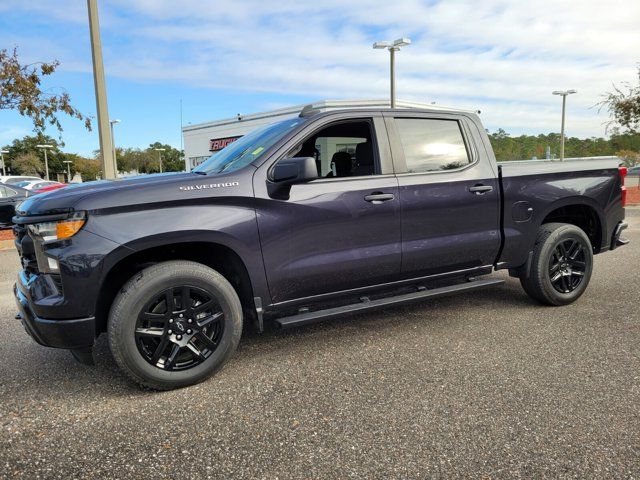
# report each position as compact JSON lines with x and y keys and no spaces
{"x":231,"y":226}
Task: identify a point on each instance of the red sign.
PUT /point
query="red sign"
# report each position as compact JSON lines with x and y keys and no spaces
{"x":216,"y":144}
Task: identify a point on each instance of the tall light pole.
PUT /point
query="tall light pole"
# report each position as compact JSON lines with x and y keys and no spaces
{"x":46,"y":160}
{"x":160,"y":150}
{"x":68,"y":162}
{"x":109,"y":168}
{"x":393,"y":47}
{"x":4,"y":167}
{"x":113,"y":122}
{"x":564,"y":94}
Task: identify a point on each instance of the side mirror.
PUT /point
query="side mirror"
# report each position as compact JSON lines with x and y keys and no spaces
{"x":289,"y":171}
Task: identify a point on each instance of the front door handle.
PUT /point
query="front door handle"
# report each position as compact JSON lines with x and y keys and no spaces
{"x":481,"y":189}
{"x":379,"y":197}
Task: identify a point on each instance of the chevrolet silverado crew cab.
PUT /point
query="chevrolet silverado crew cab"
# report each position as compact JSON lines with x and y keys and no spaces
{"x":325,"y":214}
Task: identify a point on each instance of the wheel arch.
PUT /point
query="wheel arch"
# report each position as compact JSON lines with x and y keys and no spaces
{"x":214,"y":254}
{"x":582,"y":212}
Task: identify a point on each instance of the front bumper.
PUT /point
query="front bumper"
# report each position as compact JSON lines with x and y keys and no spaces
{"x":74,"y":333}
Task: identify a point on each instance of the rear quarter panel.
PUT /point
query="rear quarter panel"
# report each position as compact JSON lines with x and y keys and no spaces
{"x":547,"y":186}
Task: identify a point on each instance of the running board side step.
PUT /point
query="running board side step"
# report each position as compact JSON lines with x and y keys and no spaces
{"x":316,"y":316}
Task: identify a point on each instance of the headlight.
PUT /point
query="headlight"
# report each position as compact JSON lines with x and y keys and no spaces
{"x":59,"y":230}
{"x":45,"y":232}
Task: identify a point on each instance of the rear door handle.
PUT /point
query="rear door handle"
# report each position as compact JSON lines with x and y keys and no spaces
{"x":481,"y":189}
{"x":379,"y":197}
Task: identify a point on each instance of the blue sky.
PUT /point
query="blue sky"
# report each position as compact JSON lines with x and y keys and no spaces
{"x":226,"y":57}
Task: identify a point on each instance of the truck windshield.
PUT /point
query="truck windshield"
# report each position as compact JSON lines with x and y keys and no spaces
{"x":246,"y":149}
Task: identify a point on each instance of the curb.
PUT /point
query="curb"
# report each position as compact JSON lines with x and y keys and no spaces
{"x":7,"y":245}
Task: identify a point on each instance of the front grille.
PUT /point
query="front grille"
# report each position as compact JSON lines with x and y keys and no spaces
{"x":25,"y":247}
{"x":57,"y":280}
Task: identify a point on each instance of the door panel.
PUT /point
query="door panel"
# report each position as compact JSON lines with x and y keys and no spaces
{"x":326,"y":237}
{"x":7,"y":204}
{"x":445,"y":227}
{"x":450,"y":218}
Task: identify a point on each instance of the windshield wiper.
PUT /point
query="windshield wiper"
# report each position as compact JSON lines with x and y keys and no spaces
{"x":199,"y":172}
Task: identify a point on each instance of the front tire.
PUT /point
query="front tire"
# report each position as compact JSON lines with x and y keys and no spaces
{"x":561,"y":266}
{"x":174,"y":324}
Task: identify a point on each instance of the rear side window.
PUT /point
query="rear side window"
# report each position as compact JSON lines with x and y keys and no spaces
{"x":432,"y":145}
{"x":7,"y":192}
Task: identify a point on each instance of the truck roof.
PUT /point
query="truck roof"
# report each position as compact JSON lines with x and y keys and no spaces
{"x":324,"y":106}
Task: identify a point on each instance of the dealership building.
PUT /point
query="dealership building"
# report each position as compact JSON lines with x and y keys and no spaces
{"x":204,"y":139}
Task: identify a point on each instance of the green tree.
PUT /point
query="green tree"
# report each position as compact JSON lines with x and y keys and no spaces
{"x":623,"y":104}
{"x":28,"y":164}
{"x":27,"y":145}
{"x":629,"y":158}
{"x":88,"y":168}
{"x":171,"y":157}
{"x":20,"y":90}
{"x":147,"y":160}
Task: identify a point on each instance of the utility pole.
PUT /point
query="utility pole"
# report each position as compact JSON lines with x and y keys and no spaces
{"x":4,"y":167}
{"x":46,"y":160}
{"x":564,"y":94}
{"x":113,"y":140}
{"x":68,"y":162}
{"x":393,"y":47}
{"x":109,"y":168}
{"x":160,"y":150}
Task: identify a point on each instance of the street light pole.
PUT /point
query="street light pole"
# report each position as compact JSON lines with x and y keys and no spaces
{"x":46,"y":160}
{"x":4,"y":167}
{"x":160,"y":150}
{"x":109,"y":168}
{"x":68,"y":162}
{"x":113,"y":140}
{"x":393,"y":47}
{"x":564,"y":94}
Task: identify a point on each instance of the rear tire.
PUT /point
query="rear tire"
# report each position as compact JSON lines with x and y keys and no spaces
{"x":561,"y":266}
{"x":174,"y":324}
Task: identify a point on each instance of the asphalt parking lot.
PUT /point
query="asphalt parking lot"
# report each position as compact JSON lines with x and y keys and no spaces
{"x":485,"y":385}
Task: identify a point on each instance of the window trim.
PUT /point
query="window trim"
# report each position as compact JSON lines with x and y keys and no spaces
{"x":399,"y":159}
{"x":304,"y":135}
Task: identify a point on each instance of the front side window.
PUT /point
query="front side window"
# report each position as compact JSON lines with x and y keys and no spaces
{"x":343,"y":149}
{"x":432,"y":145}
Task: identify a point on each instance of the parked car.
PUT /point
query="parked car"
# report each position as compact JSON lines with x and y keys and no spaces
{"x":13,"y":179}
{"x":36,"y":184}
{"x":273,"y":228}
{"x":49,"y":188}
{"x":10,"y":196}
{"x":634,"y":171}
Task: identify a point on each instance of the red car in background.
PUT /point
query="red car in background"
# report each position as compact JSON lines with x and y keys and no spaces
{"x":49,"y":188}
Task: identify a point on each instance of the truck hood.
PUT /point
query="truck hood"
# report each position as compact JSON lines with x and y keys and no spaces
{"x":127,"y":193}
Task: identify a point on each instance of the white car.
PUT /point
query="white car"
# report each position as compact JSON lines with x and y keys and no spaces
{"x":35,"y":184}
{"x":13,"y":179}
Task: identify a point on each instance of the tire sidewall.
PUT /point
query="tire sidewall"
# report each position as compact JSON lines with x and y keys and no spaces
{"x":562,"y":234}
{"x":140,"y":290}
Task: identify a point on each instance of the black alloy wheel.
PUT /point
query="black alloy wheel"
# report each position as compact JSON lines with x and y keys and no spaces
{"x":567,"y":265}
{"x":174,"y":324}
{"x":179,"y":328}
{"x":560,"y":266}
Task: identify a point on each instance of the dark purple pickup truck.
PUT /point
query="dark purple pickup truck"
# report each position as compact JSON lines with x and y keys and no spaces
{"x":319,"y":216}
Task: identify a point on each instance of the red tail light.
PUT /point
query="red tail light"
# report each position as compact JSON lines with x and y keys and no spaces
{"x":623,"y":174}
